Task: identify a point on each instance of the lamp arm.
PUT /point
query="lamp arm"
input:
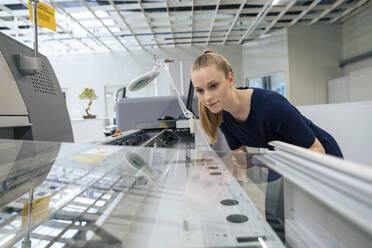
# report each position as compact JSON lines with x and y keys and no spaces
{"x":187,"y":113}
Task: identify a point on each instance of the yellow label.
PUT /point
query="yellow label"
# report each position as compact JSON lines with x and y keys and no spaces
{"x":45,"y":15}
{"x":88,"y":159}
{"x":163,"y":124}
{"x":39,"y":210}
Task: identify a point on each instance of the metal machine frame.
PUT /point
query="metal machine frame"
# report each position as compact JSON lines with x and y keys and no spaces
{"x":42,"y":114}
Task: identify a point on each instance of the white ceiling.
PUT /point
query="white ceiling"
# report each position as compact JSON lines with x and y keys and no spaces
{"x":113,"y":25}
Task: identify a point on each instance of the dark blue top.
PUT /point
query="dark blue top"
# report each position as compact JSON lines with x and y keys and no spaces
{"x":272,"y":117}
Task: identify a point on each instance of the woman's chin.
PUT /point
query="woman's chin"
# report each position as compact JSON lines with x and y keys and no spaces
{"x":214,"y":110}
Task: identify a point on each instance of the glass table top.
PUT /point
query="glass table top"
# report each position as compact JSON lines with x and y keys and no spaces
{"x":116,"y":196}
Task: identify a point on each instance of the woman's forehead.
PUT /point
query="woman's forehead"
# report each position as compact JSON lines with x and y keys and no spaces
{"x":206,"y":74}
{"x":211,"y":67}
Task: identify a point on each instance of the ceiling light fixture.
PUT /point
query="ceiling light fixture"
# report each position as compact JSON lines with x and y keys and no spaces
{"x":275,"y":2}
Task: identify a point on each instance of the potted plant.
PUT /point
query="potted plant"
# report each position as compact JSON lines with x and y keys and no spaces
{"x":91,"y":95}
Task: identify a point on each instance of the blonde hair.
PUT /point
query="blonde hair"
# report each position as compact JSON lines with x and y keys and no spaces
{"x":211,"y":121}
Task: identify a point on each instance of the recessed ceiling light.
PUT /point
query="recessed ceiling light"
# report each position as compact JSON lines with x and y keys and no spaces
{"x":81,"y":15}
{"x":109,"y":22}
{"x":115,"y":29}
{"x":275,"y":2}
{"x":93,"y":23}
{"x":101,"y":13}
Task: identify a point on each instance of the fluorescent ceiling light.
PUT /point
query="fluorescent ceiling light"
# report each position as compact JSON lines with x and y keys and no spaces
{"x":77,"y":31}
{"x":101,"y":13}
{"x":108,"y":42}
{"x":275,"y":2}
{"x":264,"y":36}
{"x":109,"y":22}
{"x":60,"y":18}
{"x":80,"y":15}
{"x":115,"y":29}
{"x":93,"y":23}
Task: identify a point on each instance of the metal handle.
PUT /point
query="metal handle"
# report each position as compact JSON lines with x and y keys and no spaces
{"x":34,"y":10}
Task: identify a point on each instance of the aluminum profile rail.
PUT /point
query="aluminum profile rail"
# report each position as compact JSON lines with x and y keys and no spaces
{"x":342,"y":187}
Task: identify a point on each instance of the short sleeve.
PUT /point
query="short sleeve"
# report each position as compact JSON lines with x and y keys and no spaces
{"x":231,"y":140}
{"x":288,"y":123}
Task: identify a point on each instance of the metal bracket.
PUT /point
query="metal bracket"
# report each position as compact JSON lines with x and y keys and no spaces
{"x":28,"y":65}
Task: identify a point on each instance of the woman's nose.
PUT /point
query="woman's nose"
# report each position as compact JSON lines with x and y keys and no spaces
{"x":207,"y":96}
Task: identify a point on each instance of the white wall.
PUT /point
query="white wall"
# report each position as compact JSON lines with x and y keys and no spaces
{"x":77,"y":72}
{"x":308,"y":55}
{"x":266,"y":56}
{"x":314,"y":53}
{"x":357,"y":39}
{"x":356,"y":85}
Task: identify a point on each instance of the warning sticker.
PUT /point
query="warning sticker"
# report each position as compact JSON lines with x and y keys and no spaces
{"x":45,"y":15}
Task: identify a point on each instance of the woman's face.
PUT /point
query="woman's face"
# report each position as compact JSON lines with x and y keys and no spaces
{"x":212,"y":87}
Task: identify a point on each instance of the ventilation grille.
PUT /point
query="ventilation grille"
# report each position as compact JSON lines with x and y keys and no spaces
{"x":42,"y":82}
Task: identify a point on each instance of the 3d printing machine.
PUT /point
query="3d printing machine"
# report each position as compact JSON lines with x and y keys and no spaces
{"x":165,"y":118}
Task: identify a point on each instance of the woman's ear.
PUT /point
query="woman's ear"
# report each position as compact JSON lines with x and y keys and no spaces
{"x":231,"y":79}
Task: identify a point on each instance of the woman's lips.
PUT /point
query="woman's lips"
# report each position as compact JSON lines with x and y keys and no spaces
{"x":212,"y":104}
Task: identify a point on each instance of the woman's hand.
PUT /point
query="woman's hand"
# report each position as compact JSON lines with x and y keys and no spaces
{"x":317,"y":147}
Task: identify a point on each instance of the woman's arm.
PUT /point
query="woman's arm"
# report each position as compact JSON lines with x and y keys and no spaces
{"x":317,"y":147}
{"x":239,"y":158}
{"x":239,"y":165}
{"x":240,"y":149}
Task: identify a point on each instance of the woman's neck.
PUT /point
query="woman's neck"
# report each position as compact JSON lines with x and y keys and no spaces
{"x":240,"y":104}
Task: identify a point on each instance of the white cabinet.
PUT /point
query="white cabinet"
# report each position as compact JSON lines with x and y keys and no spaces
{"x":355,"y":87}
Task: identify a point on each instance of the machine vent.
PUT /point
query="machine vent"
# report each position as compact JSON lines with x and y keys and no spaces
{"x":42,"y":82}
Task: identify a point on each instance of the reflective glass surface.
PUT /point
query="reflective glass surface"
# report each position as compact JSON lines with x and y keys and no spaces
{"x":116,"y":196}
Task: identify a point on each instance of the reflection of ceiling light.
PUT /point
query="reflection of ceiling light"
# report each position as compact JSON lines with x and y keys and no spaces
{"x":6,"y":239}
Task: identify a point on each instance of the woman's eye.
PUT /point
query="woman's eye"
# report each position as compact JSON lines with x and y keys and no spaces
{"x":199,"y":91}
{"x":213,"y":86}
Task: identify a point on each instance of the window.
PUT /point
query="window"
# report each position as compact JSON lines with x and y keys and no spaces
{"x":275,"y":82}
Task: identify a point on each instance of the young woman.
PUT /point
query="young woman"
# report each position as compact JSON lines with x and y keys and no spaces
{"x":251,"y":117}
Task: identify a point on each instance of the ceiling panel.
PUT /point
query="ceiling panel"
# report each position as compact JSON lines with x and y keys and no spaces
{"x":112,"y":25}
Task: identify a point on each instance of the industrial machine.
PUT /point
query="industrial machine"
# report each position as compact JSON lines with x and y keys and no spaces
{"x":122,"y":196}
{"x":125,"y":196}
{"x":148,"y":112}
{"x":32,"y":106}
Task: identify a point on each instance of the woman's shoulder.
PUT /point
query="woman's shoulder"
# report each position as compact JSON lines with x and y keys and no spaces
{"x":268,"y":99}
{"x":267,"y":94}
